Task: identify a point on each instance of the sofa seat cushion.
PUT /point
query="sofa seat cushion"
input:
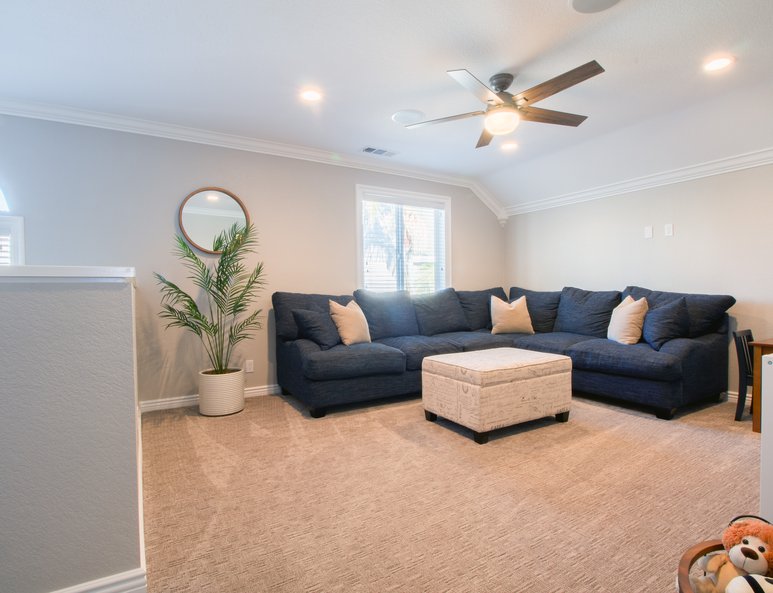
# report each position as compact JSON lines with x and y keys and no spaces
{"x":477,"y":305}
{"x":630,"y":360}
{"x":440,"y":312}
{"x":416,"y":348}
{"x":555,"y":342}
{"x":478,"y":340}
{"x":357,"y":360}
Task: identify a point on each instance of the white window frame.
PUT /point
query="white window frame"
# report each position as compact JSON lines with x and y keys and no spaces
{"x":405,"y":198}
{"x":14,"y":226}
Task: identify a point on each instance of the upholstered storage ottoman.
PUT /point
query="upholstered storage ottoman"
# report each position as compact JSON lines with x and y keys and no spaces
{"x":487,"y":389}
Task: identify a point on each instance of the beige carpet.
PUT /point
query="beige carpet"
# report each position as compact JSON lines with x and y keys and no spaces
{"x":377,"y":499}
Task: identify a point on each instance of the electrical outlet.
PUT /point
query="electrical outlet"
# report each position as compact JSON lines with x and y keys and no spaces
{"x":248,"y":366}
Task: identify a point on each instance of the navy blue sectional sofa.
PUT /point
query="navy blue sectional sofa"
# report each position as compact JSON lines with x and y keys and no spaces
{"x":682,"y":357}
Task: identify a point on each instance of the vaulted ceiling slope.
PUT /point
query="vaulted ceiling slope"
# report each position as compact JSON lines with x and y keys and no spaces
{"x":230,"y":72}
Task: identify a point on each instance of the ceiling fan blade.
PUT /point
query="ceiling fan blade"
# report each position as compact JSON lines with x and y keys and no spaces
{"x":548,"y":116}
{"x":485,"y":138}
{"x":475,"y":86}
{"x":440,"y":120}
{"x":559,"y":83}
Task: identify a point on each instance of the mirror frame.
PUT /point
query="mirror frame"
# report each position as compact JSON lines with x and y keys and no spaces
{"x":191,"y":242}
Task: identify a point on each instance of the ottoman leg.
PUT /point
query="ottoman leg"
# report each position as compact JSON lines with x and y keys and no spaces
{"x":480,"y":437}
{"x":562,"y":417}
{"x":431,"y":416}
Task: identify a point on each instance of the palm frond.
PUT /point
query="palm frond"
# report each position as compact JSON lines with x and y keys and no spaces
{"x":230,"y":290}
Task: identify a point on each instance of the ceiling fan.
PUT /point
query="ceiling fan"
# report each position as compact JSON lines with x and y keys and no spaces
{"x":504,"y":110}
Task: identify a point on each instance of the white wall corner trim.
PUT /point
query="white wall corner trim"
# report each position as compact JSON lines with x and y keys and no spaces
{"x":94,"y":119}
{"x":131,"y":581}
{"x":717,"y":167}
{"x":183,"y":401}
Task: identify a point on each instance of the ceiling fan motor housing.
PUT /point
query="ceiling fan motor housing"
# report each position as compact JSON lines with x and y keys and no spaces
{"x":501,"y":82}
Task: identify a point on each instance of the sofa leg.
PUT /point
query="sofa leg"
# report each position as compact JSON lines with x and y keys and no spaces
{"x":562,"y":416}
{"x":316,"y":412}
{"x":665,"y":413}
{"x":431,"y":416}
{"x":480,"y":437}
{"x":285,"y":391}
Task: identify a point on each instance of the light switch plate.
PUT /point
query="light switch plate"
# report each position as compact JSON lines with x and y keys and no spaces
{"x":668,"y":230}
{"x":648,"y":232}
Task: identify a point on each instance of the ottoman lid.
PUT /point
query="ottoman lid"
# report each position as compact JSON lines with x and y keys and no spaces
{"x":497,"y":365}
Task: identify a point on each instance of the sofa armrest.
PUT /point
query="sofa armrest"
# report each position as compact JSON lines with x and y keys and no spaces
{"x":704,"y":363}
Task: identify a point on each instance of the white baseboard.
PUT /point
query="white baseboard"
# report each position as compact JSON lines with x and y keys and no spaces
{"x":184,"y":401}
{"x":131,"y":581}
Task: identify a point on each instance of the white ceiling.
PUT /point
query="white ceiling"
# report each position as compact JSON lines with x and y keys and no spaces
{"x":232,"y":69}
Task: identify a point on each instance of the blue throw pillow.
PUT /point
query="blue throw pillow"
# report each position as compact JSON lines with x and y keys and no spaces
{"x":477,"y":306}
{"x":388,"y":313}
{"x":585,"y":312}
{"x":440,"y":312}
{"x":542,"y":306}
{"x":318,"y":327}
{"x":667,"y":322}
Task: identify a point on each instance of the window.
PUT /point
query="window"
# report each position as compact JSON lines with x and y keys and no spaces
{"x":402,"y":240}
{"x":11,"y":240}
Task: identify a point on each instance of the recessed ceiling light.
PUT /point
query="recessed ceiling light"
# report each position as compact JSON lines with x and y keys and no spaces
{"x":716,"y":63}
{"x":311,"y":95}
{"x":407,"y":116}
{"x":509,"y":146}
{"x":591,"y":6}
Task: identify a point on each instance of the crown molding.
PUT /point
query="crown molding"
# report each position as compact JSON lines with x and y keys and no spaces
{"x":69,"y":115}
{"x":716,"y":167}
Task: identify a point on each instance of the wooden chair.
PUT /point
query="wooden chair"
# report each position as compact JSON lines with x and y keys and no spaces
{"x":745,"y":367}
{"x":690,"y":557}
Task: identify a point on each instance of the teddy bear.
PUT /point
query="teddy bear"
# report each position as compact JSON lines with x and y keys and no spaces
{"x":748,"y":543}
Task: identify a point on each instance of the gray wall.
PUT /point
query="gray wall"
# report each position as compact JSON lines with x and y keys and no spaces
{"x":69,"y":500}
{"x":99,"y":197}
{"x":721,"y":244}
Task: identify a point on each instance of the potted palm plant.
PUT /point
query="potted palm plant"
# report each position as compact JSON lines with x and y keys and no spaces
{"x":229,"y":290}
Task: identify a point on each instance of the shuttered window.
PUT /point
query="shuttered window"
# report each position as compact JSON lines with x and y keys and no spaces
{"x":403,"y":240}
{"x":11,"y":240}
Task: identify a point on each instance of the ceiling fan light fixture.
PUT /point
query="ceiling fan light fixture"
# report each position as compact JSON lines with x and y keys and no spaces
{"x":502,"y":120}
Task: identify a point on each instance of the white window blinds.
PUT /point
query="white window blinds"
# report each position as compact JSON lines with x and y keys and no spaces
{"x":11,"y":240}
{"x":403,"y":241}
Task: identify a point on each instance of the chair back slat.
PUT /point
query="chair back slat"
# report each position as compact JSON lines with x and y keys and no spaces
{"x":745,"y":360}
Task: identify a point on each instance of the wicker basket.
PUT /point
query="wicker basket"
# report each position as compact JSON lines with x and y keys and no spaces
{"x":689,"y":558}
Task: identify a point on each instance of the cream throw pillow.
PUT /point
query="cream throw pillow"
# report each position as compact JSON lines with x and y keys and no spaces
{"x":510,"y":318}
{"x":351,"y":323}
{"x":627,"y":320}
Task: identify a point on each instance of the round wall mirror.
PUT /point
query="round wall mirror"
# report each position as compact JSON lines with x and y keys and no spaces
{"x":207,"y":212}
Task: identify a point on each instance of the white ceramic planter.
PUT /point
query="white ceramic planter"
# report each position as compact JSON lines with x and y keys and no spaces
{"x":223,"y":394}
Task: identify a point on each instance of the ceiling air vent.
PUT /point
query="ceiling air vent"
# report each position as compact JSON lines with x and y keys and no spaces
{"x":378,"y":151}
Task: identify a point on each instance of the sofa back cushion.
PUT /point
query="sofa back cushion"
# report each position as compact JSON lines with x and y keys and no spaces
{"x":440,"y":312}
{"x":706,"y":311}
{"x":388,"y":313}
{"x":585,"y":312}
{"x":542,"y":306}
{"x":285,"y":302}
{"x":477,"y":306}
